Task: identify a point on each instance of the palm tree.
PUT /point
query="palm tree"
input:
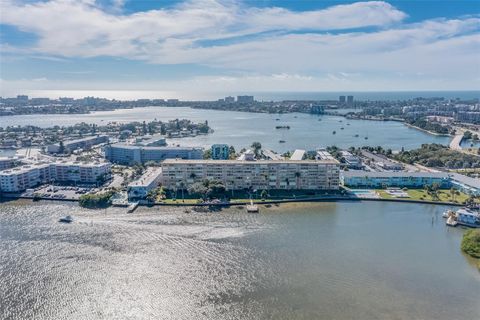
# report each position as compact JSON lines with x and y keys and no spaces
{"x":452,"y":193}
{"x":182,"y":185}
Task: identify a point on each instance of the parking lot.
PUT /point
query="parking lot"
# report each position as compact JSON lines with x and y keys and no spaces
{"x":59,"y":192}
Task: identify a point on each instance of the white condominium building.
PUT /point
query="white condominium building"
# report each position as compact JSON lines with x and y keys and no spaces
{"x":238,"y":174}
{"x":24,"y":177}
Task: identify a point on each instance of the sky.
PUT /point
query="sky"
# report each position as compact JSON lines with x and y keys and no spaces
{"x":155,"y":49}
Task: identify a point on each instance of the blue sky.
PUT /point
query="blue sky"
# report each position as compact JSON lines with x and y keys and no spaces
{"x":70,"y":47}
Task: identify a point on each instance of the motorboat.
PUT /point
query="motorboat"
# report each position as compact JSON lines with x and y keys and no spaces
{"x":252,"y":208}
{"x":451,"y":222}
{"x":66,"y":219}
{"x":465,"y":216}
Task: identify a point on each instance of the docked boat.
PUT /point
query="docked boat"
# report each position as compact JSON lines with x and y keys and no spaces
{"x":451,"y":222}
{"x":468,"y":217}
{"x":282,"y":127}
{"x":252,"y":208}
{"x":66,"y":219}
{"x":465,"y":216}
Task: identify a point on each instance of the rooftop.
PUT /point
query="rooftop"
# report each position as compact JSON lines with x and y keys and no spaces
{"x":259,"y":162}
{"x":387,"y":174}
{"x":150,"y":175}
{"x":297,"y":155}
{"x":134,"y":147}
{"x":472,"y":182}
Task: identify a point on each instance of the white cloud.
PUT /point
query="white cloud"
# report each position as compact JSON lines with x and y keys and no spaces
{"x":79,"y":28}
{"x":261,"y":44}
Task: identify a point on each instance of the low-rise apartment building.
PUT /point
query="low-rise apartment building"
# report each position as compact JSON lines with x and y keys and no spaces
{"x":21,"y":178}
{"x":140,"y":188}
{"x":366,"y":179}
{"x":130,"y":154}
{"x":265,"y":174}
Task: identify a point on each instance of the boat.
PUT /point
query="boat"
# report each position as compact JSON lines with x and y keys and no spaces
{"x":342,"y":128}
{"x":66,"y":219}
{"x":356,"y":136}
{"x":282,"y":127}
{"x":281,"y":141}
{"x":132,"y":207}
{"x":252,"y":208}
{"x":278,"y":119}
{"x":334,"y":132}
{"x":468,"y":217}
{"x":447,"y":214}
{"x":451,"y":222}
{"x":366,"y":138}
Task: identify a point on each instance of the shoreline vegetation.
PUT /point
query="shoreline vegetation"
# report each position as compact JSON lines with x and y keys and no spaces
{"x":95,"y":201}
{"x":471,"y":245}
{"x":102,"y":200}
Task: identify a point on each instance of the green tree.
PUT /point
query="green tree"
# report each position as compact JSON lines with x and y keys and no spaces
{"x":256,"y":146}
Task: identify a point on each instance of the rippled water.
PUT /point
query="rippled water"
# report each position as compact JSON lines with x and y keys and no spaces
{"x":323,"y":261}
{"x":240,"y":129}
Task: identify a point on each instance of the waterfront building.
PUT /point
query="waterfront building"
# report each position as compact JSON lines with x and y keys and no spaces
{"x":81,"y":172}
{"x":131,"y":154}
{"x":264,"y":174}
{"x":367,"y":179}
{"x":84,"y":143}
{"x":245,"y":99}
{"x":21,"y":178}
{"x":465,"y":184}
{"x":220,"y":152}
{"x":341,"y":99}
{"x":140,"y":188}
{"x":24,"y":177}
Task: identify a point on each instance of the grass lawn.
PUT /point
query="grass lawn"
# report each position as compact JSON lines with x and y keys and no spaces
{"x":420,"y":194}
{"x":179,"y":201}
